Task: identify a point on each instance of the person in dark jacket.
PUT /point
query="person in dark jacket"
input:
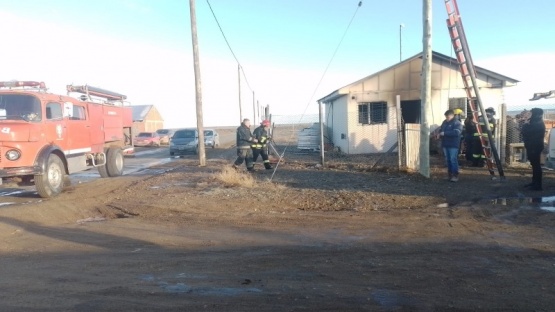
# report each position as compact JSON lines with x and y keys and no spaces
{"x":260,"y":148}
{"x":469,"y":129}
{"x":450,"y":134}
{"x":533,"y":134}
{"x":478,"y":156}
{"x":244,"y":141}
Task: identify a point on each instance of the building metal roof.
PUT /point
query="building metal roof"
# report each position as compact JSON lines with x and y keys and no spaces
{"x":140,"y":111}
{"x":436,"y":58}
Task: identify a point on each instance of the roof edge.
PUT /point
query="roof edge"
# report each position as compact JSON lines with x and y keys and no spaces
{"x":435,"y":56}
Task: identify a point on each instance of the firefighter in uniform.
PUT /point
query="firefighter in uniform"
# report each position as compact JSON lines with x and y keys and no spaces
{"x":458,"y":114}
{"x":260,"y":147}
{"x":244,"y":141}
{"x":478,"y":157}
{"x":468,"y":133}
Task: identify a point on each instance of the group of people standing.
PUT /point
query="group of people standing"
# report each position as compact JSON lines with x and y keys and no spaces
{"x":472,"y":138}
{"x":252,"y":145}
{"x":451,"y":130}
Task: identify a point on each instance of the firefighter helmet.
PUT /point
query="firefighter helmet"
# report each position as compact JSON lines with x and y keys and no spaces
{"x":458,"y":111}
{"x":265,"y":122}
{"x":490,"y":110}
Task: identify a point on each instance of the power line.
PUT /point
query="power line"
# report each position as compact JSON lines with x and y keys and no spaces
{"x":333,"y":55}
{"x":228,"y":45}
{"x":319,"y":82}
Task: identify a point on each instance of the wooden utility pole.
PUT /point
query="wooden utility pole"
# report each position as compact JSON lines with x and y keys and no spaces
{"x":198,"y":85}
{"x":322,"y":142}
{"x":239,"y":82}
{"x":253,"y":109}
{"x":426,"y":88}
{"x":399,"y":131}
{"x":401,"y":42}
{"x":258,"y":111}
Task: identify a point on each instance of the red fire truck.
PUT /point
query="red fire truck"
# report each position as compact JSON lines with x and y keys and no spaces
{"x":44,"y":137}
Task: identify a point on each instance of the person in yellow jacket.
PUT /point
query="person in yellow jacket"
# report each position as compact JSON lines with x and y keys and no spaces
{"x":260,"y":148}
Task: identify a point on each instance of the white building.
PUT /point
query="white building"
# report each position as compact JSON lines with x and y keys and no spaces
{"x":361,"y":117}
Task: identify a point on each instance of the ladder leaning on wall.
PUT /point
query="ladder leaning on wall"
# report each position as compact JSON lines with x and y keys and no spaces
{"x":468,"y":73}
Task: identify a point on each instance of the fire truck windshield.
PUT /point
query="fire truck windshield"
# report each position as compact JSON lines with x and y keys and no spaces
{"x":20,"y":107}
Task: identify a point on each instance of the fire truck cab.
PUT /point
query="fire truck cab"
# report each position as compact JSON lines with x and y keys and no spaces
{"x":44,"y":137}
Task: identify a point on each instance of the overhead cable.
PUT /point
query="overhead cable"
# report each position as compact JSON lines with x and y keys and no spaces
{"x":333,"y":55}
{"x":228,"y":45}
{"x":320,"y":81}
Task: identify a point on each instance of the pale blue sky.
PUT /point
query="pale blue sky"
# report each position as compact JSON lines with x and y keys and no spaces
{"x":284,"y":46}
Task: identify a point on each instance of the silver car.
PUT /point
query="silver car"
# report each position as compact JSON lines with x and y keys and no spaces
{"x":211,"y":138}
{"x":184,"y":141}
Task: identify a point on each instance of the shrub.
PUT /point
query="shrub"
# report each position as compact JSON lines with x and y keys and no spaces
{"x":231,"y":177}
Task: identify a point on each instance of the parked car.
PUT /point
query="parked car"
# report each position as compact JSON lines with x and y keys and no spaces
{"x":184,"y":141}
{"x":165,"y":135}
{"x":211,"y":138}
{"x":146,"y":139}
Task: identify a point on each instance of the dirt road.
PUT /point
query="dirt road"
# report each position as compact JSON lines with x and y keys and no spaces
{"x":338,"y":239}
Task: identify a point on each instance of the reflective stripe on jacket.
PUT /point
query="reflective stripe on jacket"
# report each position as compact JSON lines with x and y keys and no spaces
{"x":483,"y":127}
{"x":262,"y":136}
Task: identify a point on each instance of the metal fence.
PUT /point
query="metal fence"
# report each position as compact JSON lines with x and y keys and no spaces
{"x":285,"y":128}
{"x":515,"y":118}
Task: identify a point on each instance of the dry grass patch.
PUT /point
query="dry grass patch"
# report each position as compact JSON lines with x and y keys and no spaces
{"x":231,"y":177}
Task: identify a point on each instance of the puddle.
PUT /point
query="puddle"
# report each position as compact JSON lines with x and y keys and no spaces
{"x":18,"y":192}
{"x":192,"y":276}
{"x":225,"y":291}
{"x":91,"y":219}
{"x":546,"y":203}
{"x":180,"y":287}
{"x":176,"y":288}
{"x":146,"y":277}
{"x":390,"y":299}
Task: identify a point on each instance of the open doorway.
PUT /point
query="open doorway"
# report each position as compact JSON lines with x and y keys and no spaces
{"x":410,"y":111}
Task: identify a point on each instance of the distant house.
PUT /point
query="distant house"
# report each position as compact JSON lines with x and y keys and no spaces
{"x":146,"y":118}
{"x":361,"y":117}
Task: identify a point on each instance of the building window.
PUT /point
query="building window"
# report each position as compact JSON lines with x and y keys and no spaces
{"x":363,"y":114}
{"x":372,"y":113}
{"x":463,"y":104}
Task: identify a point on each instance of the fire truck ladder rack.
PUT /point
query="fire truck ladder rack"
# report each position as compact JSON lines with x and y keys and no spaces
{"x":468,"y":73}
{"x":97,"y":92}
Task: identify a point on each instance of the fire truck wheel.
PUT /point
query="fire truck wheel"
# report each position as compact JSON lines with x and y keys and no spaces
{"x":102,"y":171}
{"x":114,"y":162}
{"x":51,"y":183}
